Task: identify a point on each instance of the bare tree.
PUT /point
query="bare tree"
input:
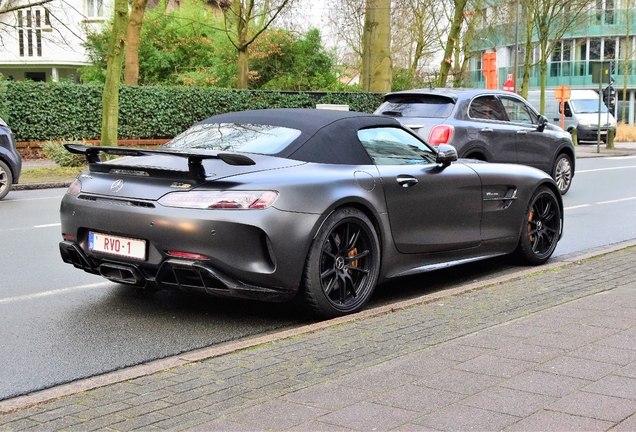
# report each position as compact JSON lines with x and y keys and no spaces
{"x":628,"y":53}
{"x":245,"y":21}
{"x":552,"y":19}
{"x":110,"y":95}
{"x":412,"y":38}
{"x":452,"y":42}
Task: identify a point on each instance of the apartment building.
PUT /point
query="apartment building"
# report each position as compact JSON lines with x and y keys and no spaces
{"x":606,"y":33}
{"x":42,"y":41}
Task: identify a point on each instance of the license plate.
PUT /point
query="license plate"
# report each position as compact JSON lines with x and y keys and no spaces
{"x":114,"y":245}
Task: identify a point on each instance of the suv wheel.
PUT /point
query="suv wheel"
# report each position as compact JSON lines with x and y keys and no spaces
{"x":6,"y":179}
{"x":562,"y":173}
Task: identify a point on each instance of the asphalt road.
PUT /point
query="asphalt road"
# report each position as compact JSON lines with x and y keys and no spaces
{"x":60,"y":324}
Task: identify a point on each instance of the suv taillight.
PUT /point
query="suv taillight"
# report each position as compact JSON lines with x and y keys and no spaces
{"x":441,"y":134}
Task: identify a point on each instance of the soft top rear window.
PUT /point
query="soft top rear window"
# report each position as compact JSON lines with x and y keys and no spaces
{"x":432,"y":106}
{"x":248,"y":138}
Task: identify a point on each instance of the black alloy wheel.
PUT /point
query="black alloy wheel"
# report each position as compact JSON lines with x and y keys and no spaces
{"x":342,"y":265}
{"x":541,"y":227}
{"x":563,"y":173}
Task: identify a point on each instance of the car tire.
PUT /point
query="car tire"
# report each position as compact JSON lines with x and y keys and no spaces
{"x":342,"y":265}
{"x":562,"y":173}
{"x":541,"y":227}
{"x":6,"y":180}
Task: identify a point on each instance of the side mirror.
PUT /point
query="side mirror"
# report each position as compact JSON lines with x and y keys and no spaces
{"x":543,"y":121}
{"x":446,"y":154}
{"x":567,"y":110}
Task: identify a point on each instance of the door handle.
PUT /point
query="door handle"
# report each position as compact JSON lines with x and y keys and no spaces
{"x":486,"y":129}
{"x":406,"y":180}
{"x":522,"y":132}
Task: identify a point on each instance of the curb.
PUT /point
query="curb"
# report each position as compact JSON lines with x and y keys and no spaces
{"x":42,"y":185}
{"x":156,"y":366}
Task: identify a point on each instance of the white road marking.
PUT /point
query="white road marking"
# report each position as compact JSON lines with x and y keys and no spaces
{"x":10,"y":300}
{"x":604,"y":169}
{"x":48,"y":225}
{"x":616,"y":200}
{"x":600,"y":203}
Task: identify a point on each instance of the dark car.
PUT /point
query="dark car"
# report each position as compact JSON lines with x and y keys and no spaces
{"x":270,"y":203}
{"x":488,"y":125}
{"x":10,"y":160}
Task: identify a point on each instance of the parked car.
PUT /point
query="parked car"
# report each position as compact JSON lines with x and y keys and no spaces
{"x":488,"y":125}
{"x":264,"y":204}
{"x":581,"y":113}
{"x":10,"y":160}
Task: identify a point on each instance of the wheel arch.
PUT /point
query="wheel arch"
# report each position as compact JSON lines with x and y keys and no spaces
{"x":475,"y":148}
{"x":365,"y":207}
{"x":4,"y":160}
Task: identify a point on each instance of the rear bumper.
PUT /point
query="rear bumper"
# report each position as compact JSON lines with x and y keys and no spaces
{"x":246,"y":254}
{"x":173,"y":274}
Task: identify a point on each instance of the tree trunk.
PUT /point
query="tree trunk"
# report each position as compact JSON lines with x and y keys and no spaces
{"x":242,"y":80}
{"x":131,"y":69}
{"x":241,"y":13}
{"x":453,"y":38}
{"x":110,"y":96}
{"x":376,"y":57}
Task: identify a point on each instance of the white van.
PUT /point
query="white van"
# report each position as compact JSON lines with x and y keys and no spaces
{"x":581,"y":113}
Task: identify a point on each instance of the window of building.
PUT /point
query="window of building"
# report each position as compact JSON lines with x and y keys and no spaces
{"x":595,"y":49}
{"x":30,"y":23}
{"x":94,"y":8}
{"x":609,"y":49}
{"x":609,"y":11}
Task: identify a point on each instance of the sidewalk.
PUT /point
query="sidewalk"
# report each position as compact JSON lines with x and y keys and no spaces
{"x":548,"y":348}
{"x":588,"y":149}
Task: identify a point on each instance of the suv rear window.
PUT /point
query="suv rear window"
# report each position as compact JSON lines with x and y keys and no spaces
{"x":431,"y":106}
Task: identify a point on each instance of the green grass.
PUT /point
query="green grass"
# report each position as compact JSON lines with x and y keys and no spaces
{"x":48,"y":174}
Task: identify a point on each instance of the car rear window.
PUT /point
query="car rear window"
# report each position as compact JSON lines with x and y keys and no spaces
{"x":431,"y":106}
{"x":248,"y":138}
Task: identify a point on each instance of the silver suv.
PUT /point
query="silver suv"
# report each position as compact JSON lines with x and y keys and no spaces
{"x":10,"y":160}
{"x":488,"y":125}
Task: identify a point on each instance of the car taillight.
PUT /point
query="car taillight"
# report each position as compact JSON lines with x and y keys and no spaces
{"x":242,"y":200}
{"x":441,"y":134}
{"x":75,"y":188}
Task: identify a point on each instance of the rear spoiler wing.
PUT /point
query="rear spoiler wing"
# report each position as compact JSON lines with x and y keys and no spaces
{"x":195,"y":166}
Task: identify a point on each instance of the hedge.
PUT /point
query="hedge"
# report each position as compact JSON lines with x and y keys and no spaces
{"x":38,"y":111}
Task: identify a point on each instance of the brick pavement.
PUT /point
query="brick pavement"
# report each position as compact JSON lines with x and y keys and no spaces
{"x":552,"y":350}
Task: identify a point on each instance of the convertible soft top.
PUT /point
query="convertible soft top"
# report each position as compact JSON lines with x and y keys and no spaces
{"x":327,"y":136}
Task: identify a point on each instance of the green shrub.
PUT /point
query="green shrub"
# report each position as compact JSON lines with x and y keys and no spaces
{"x":56,"y":152}
{"x":40,"y":112}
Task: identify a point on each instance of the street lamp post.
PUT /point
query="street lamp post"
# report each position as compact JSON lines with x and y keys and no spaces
{"x":516,"y":57}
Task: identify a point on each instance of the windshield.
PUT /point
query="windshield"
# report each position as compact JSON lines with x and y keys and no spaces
{"x":248,"y":138}
{"x":421,"y":106}
{"x":586,"y":106}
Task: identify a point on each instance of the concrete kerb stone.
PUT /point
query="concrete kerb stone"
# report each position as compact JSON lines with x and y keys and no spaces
{"x":42,"y":185}
{"x":153,"y":367}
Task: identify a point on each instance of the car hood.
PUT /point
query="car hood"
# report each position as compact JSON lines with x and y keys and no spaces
{"x":148,"y":175}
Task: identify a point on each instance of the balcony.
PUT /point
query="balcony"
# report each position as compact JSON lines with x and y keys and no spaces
{"x":575,"y":74}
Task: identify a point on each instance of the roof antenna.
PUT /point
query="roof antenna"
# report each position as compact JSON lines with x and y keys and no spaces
{"x":430,"y":85}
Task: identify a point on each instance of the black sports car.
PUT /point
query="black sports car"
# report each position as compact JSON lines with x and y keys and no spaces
{"x":270,"y":203}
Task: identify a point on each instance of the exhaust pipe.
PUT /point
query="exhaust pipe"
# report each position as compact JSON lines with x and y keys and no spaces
{"x":124,"y":274}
